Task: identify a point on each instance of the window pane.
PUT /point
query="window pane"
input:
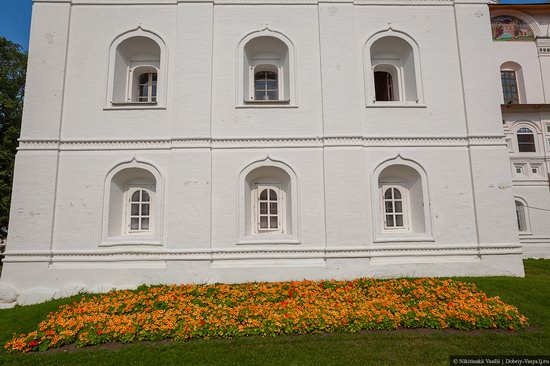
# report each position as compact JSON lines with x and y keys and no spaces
{"x":145,"y":224}
{"x":135,"y":196}
{"x":135,"y":209}
{"x":273,"y":222}
{"x":399,"y":220}
{"x":271,"y":75}
{"x":263,"y":222}
{"x":260,"y":95}
{"x":272,"y":195}
{"x":273,"y":208}
{"x":145,"y":196}
{"x":263,"y":195}
{"x":509,"y":87}
{"x":396,"y":194}
{"x":389,"y":221}
{"x":383,"y":86}
{"x":398,"y":207}
{"x":145,"y":209}
{"x":263,"y":208}
{"x":259,"y":85}
{"x":134,"y":224}
{"x":272,"y":95}
{"x":389,"y":207}
{"x":388,"y":194}
{"x":272,"y":84}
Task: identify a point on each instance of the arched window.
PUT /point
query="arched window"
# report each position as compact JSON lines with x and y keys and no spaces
{"x":132,"y":209}
{"x":139,"y":210}
{"x":268,"y":206}
{"x":137,"y":69}
{"x":395,"y":207}
{"x":266,"y":86}
{"x":526,"y":140}
{"x":513,"y":89}
{"x":521,"y":217}
{"x":268,"y":215}
{"x":509,"y":86}
{"x":267,"y":69}
{"x":394,"y":69}
{"x":400,"y":201}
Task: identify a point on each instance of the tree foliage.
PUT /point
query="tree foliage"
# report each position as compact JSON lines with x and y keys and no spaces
{"x":13,"y":65}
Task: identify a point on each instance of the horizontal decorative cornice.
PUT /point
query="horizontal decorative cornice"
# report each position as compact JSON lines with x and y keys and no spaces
{"x":130,"y":255}
{"x":257,"y":143}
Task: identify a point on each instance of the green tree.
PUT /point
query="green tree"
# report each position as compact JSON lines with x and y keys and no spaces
{"x":13,"y":65}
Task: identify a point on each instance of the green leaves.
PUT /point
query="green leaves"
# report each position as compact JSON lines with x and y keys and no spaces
{"x":13,"y":64}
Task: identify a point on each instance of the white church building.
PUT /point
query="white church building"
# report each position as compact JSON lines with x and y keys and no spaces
{"x":178,"y":141}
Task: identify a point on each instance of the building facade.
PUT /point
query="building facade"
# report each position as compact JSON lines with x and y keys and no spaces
{"x":522,"y":48}
{"x":169,"y":141}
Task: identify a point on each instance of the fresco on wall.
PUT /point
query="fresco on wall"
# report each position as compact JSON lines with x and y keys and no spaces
{"x":508,"y":28}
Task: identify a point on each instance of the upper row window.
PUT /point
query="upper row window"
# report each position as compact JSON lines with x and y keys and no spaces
{"x":137,"y":69}
{"x":394,"y":72}
{"x":267,"y":64}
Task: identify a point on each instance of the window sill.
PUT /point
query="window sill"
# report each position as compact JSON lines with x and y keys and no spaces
{"x":396,"y":105}
{"x":525,"y":233}
{"x":268,"y":239}
{"x":132,"y":106}
{"x":403,"y":237}
{"x":129,"y":240}
{"x":266,"y":104}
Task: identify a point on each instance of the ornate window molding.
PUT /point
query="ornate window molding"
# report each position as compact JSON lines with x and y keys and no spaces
{"x":131,"y":55}
{"x":271,"y":51}
{"x":395,"y":51}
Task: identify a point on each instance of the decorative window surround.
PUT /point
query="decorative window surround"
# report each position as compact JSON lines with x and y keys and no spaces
{"x":282,"y":179}
{"x":121,"y":181}
{"x":408,"y":73}
{"x":122,"y":91}
{"x":411,"y":176}
{"x":266,"y":50}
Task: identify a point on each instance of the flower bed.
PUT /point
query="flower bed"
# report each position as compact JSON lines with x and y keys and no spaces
{"x":209,"y":311}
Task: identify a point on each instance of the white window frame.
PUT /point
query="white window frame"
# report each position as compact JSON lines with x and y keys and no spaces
{"x":270,"y":65}
{"x":405,"y":208}
{"x":393,"y":67}
{"x":133,"y":81}
{"x":281,"y":209}
{"x":127,"y":212}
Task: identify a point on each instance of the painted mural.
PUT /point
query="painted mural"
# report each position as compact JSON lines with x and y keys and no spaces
{"x":509,"y":28}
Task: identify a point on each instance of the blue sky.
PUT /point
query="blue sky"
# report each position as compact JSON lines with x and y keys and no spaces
{"x":15,"y":18}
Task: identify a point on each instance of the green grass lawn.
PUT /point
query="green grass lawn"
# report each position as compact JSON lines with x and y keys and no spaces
{"x":408,"y":347}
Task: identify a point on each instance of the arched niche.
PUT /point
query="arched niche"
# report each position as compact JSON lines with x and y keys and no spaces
{"x":512,"y":71}
{"x":253,"y":180}
{"x":266,"y":51}
{"x":390,"y":50}
{"x":409,"y":180}
{"x":121,"y":184}
{"x":132,"y":54}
